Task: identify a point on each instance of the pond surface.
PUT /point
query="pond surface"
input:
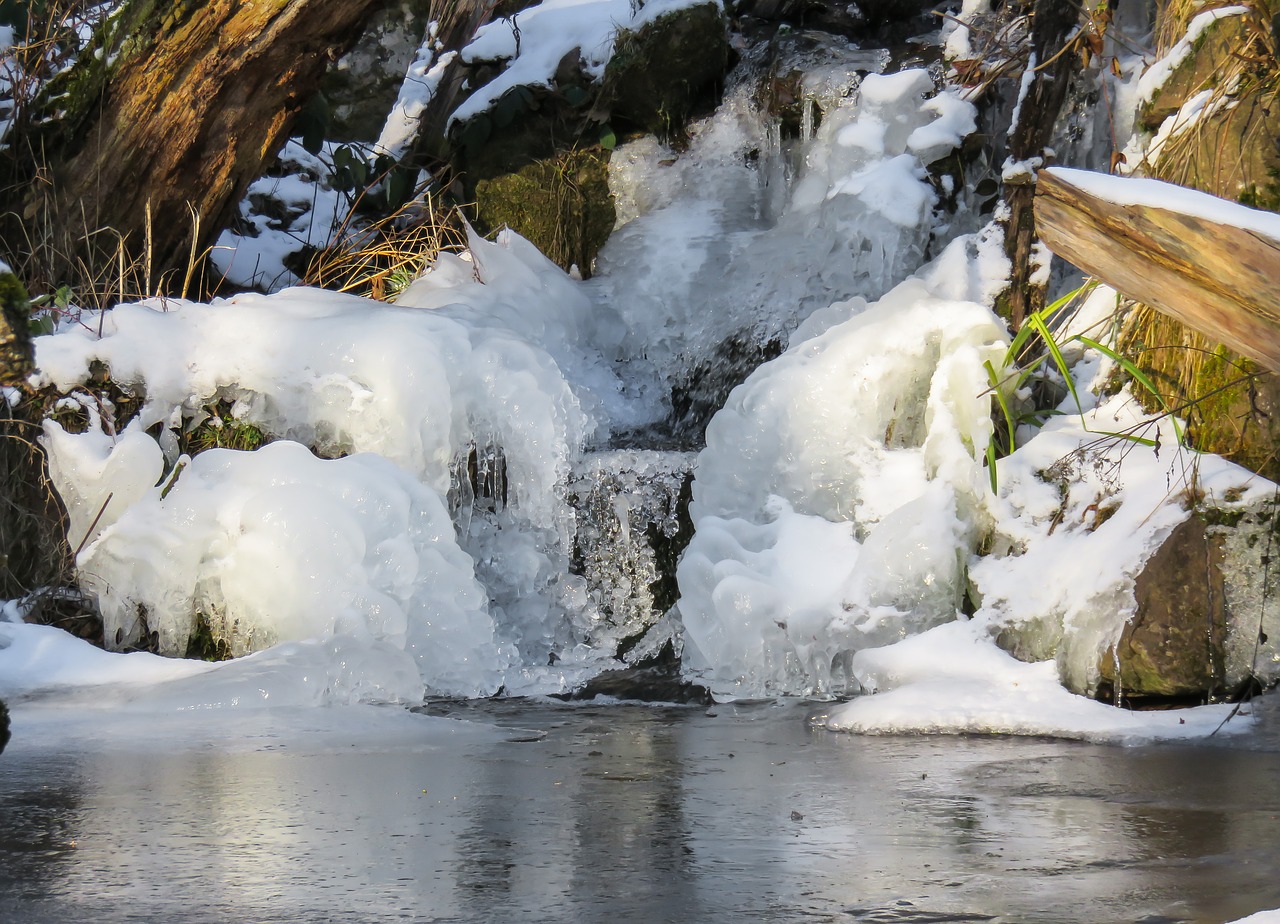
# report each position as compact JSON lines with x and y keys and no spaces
{"x":624,"y":813}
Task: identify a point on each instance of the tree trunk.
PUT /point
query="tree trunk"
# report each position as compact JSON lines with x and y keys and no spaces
{"x":1052,"y":22}
{"x":170,"y":113}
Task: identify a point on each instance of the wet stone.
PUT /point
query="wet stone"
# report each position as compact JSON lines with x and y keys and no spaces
{"x":632,"y":525}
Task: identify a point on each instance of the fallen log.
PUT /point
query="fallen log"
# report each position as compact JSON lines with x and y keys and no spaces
{"x":1209,"y":262}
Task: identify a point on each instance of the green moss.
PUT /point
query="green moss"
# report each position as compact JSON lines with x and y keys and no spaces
{"x":561,"y":203}
{"x":658,"y":74}
{"x":13,"y":294}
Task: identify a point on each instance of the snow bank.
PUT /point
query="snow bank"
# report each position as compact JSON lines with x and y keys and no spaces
{"x":952,"y":679}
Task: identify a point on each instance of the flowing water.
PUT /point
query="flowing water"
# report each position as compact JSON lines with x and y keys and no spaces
{"x":568,"y":813}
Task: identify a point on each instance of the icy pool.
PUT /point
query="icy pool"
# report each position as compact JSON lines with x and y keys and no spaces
{"x":583,"y":813}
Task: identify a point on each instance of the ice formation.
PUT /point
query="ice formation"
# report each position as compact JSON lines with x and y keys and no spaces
{"x":741,"y":257}
{"x":456,"y":381}
{"x":839,"y":496}
{"x":839,"y":503}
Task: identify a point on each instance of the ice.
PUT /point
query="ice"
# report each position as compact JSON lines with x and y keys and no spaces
{"x":448,"y":387}
{"x":836,"y":500}
{"x":278,"y":546}
{"x":742,"y":258}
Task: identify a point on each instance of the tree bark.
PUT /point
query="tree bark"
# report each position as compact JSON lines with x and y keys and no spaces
{"x":1217,"y":278}
{"x":171,"y":113}
{"x":1052,"y":22}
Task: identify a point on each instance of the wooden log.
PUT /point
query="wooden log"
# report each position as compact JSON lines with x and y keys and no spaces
{"x":1208,"y":262}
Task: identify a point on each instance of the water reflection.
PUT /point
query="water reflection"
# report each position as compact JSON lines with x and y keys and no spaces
{"x":638,"y":814}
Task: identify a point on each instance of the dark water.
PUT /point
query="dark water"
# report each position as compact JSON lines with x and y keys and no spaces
{"x":627,"y":813}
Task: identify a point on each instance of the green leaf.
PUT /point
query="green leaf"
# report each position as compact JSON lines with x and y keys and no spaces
{"x":608,"y":140}
{"x":399,"y":187}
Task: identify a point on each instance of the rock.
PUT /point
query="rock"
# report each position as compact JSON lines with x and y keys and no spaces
{"x":1174,"y":644}
{"x":657,"y":680}
{"x":1250,"y":543}
{"x":4,"y":726}
{"x":560,"y":203}
{"x":362,"y":85}
{"x":659,"y":73}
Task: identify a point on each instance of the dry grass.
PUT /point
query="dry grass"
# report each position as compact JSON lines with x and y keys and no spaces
{"x":378,"y":259}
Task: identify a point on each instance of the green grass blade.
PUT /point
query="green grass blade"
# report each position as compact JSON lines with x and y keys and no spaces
{"x":1138,"y":376}
{"x":1058,"y":359}
{"x":994,"y":381}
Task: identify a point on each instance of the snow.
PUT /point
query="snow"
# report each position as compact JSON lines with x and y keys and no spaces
{"x":1158,"y":194}
{"x":1262,"y":917}
{"x":312,"y":213}
{"x":421,"y":82}
{"x":953,"y":679}
{"x":534,"y":41}
{"x":1155,"y":76}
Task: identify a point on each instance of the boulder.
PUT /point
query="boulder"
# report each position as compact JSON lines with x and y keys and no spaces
{"x":4,"y":726}
{"x":1174,"y":644}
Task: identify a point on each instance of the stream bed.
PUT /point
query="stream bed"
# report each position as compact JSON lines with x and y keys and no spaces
{"x":538,"y":811}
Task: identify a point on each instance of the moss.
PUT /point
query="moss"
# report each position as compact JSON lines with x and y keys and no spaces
{"x":659,"y":73}
{"x":205,"y":645}
{"x":561,"y":203}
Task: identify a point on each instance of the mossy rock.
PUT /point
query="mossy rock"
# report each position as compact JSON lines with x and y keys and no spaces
{"x":561,"y":203}
{"x":1232,"y":406}
{"x":1173,"y":647}
{"x":1200,"y":70}
{"x":658,"y":74}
